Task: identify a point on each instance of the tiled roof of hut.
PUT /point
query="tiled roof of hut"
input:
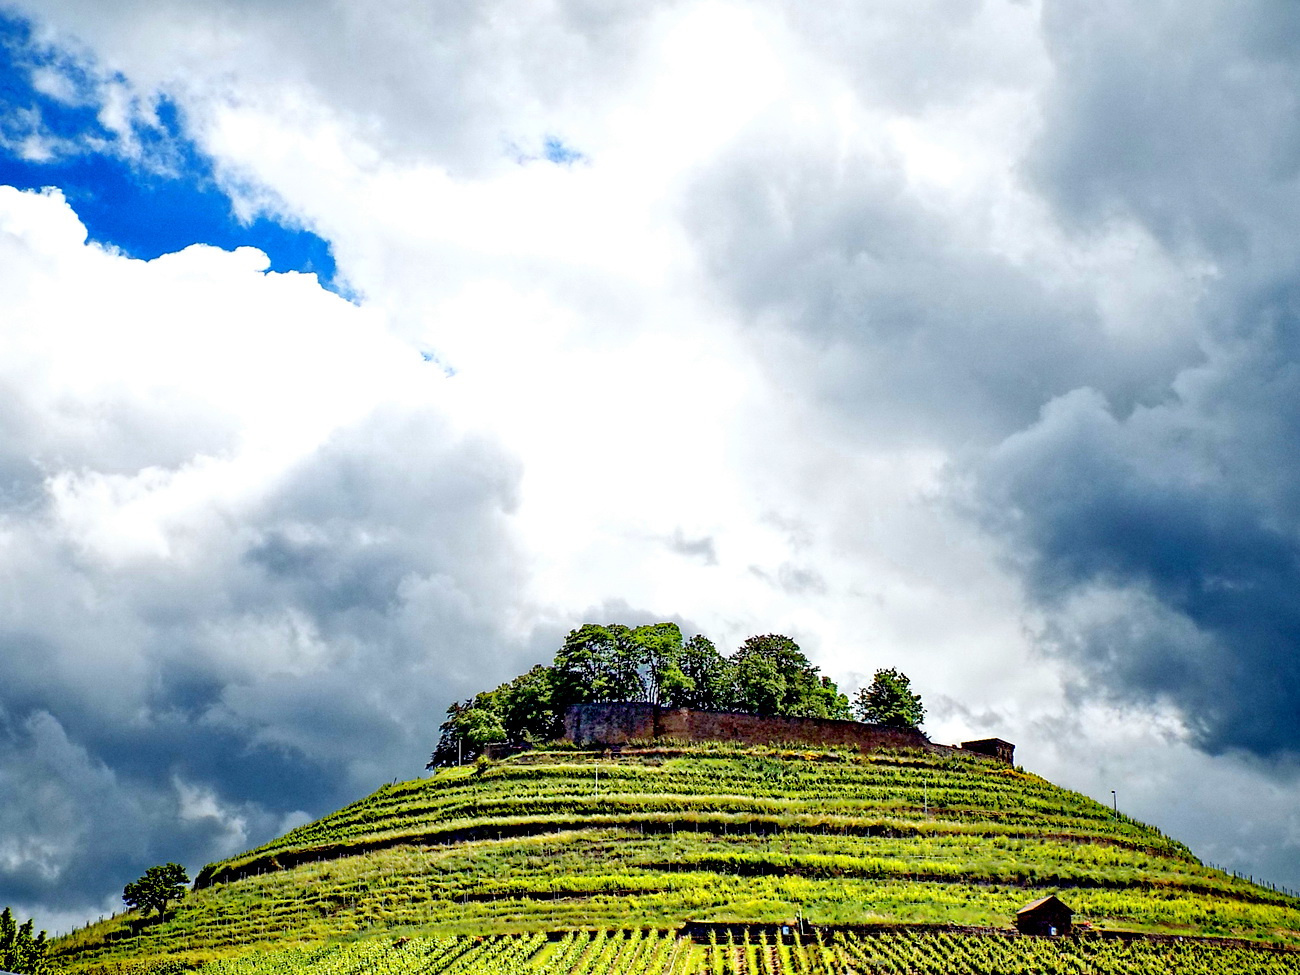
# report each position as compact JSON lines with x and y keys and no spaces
{"x":1034,"y":905}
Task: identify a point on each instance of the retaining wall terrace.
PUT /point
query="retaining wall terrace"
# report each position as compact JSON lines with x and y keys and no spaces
{"x":624,"y":722}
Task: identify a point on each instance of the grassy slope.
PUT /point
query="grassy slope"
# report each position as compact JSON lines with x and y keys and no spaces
{"x":555,"y":840}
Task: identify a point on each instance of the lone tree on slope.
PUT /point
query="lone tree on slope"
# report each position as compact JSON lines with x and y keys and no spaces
{"x":158,"y":887}
{"x":889,"y":701}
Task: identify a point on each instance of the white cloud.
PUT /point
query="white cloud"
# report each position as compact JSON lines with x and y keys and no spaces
{"x":200,"y":803}
{"x":228,"y":493}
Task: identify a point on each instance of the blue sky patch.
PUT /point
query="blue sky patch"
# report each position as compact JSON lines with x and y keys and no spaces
{"x":553,"y":150}
{"x":562,"y":155}
{"x":125,"y":166}
{"x":428,"y":355}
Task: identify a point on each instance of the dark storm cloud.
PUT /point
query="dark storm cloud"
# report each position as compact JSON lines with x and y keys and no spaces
{"x":75,"y":828}
{"x":915,"y":332}
{"x":306,"y":661}
{"x":1189,"y":535}
{"x":40,"y":837}
{"x":1163,"y":539}
{"x":1183,"y":115}
{"x":376,"y":508}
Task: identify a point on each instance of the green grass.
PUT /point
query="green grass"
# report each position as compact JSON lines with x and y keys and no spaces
{"x":537,"y":844}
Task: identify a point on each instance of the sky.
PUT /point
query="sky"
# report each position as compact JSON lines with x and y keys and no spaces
{"x":351,"y":355}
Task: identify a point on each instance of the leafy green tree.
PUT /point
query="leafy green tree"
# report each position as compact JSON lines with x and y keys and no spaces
{"x":522,"y":710}
{"x":36,"y":963}
{"x":760,"y":684}
{"x":8,"y":935}
{"x":480,"y":727}
{"x":889,"y":700}
{"x":156,"y":889}
{"x":707,"y":677}
{"x":445,"y":752}
{"x":19,"y":950}
{"x":470,"y":726}
{"x":527,"y":706}
{"x":657,"y":647}
{"x":599,"y":663}
{"x":827,"y":701}
{"x":24,"y":947}
{"x":773,"y":677}
{"x":612,"y":662}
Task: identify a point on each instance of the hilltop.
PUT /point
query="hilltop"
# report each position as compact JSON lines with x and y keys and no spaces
{"x":564,"y":839}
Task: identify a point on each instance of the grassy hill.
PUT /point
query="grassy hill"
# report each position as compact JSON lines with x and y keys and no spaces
{"x":485,"y":869}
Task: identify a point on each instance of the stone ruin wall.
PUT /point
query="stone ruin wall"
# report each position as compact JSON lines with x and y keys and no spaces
{"x":623,"y":723}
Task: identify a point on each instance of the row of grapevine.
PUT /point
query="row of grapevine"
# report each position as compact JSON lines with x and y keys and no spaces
{"x":943,"y":954}
{"x":662,"y":953}
{"x":578,"y":953}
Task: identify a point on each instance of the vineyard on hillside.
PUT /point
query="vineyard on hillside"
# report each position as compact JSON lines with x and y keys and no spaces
{"x":562,"y":839}
{"x":663,"y":953}
{"x":895,"y":792}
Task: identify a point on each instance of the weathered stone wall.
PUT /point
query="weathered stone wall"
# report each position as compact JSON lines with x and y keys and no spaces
{"x":621,"y":723}
{"x":610,"y":724}
{"x":750,"y":729}
{"x":617,"y":724}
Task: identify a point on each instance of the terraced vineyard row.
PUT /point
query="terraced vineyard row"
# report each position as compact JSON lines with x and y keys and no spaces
{"x":663,"y":953}
{"x":839,"y":792}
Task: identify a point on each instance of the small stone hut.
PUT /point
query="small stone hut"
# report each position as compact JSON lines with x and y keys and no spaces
{"x":1047,"y":915}
{"x":994,"y":747}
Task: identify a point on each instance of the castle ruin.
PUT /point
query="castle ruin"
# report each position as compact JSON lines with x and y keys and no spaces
{"x":621,"y":723}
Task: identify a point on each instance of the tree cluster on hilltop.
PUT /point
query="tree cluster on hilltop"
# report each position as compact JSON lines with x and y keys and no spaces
{"x":20,"y":950}
{"x":767,"y":675}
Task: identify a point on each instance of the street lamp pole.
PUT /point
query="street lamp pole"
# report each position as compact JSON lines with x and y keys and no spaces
{"x":1114,"y":804}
